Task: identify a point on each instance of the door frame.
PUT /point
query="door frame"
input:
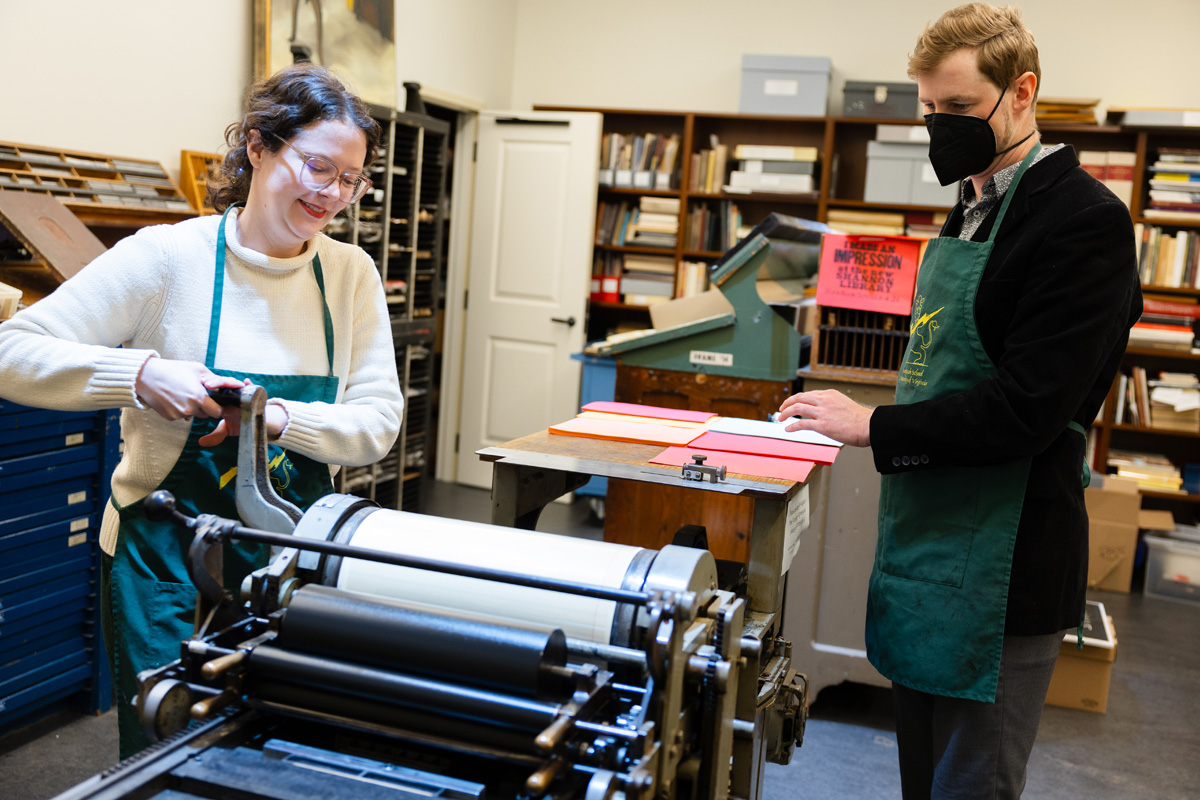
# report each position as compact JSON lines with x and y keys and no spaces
{"x":458,"y":256}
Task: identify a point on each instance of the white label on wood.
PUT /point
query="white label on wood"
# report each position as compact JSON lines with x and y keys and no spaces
{"x":709,"y":357}
{"x":795,"y":524}
{"x":76,"y":497}
{"x":77,"y":539}
{"x":74,"y":438}
{"x":79,"y":524}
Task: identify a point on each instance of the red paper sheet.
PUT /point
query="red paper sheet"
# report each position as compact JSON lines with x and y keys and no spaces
{"x":625,"y":431}
{"x":648,"y":411}
{"x":788,"y":469}
{"x":762,"y":446}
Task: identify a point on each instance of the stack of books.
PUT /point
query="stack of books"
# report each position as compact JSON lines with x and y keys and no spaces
{"x":1066,"y":110}
{"x":1175,"y":185}
{"x":1113,"y":168}
{"x":646,"y":279}
{"x":1175,"y":402}
{"x":780,"y":169}
{"x":1168,"y":257}
{"x":654,"y":223}
{"x":645,"y":161}
{"x":650,"y":222}
{"x":871,"y":223}
{"x":1151,"y":470}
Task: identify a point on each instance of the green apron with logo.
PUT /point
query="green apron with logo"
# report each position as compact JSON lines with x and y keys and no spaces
{"x":151,"y":597}
{"x":939,"y":588}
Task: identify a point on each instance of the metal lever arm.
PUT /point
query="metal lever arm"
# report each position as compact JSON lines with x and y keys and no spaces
{"x":257,"y":503}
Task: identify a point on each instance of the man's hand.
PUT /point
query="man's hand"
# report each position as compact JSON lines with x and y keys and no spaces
{"x":831,"y":413}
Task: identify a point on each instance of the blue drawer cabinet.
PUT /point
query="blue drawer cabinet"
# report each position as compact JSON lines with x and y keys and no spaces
{"x":55,"y":468}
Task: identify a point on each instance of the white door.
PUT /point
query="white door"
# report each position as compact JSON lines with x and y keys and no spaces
{"x":528,"y":277}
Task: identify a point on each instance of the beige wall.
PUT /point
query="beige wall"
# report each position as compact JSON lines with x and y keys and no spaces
{"x":686,"y":54}
{"x":148,"y":78}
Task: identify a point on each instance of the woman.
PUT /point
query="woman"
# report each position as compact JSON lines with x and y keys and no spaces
{"x":257,"y":294}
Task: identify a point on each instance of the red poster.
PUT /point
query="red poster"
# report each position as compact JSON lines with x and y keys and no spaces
{"x":872,"y":273}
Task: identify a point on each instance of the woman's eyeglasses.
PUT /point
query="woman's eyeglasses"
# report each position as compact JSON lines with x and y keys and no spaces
{"x":318,"y":173}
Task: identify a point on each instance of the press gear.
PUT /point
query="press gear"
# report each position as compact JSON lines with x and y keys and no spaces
{"x":938,"y":591}
{"x":152,"y":600}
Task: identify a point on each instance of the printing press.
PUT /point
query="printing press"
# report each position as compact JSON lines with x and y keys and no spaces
{"x":385,"y":654}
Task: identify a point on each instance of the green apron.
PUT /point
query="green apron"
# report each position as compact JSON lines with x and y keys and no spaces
{"x":152,"y":600}
{"x":939,"y":589}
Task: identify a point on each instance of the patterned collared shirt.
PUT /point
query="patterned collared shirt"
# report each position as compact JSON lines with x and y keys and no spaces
{"x":976,"y":211}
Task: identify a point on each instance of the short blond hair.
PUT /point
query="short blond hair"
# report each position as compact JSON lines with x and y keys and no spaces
{"x":1004,"y":47}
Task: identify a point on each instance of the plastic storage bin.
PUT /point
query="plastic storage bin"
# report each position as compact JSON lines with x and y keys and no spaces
{"x":1173,"y":569}
{"x":900,"y":172}
{"x":880,"y":100}
{"x":785,"y":85}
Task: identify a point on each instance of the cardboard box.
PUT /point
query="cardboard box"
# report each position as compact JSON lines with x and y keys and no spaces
{"x":1114,"y":507}
{"x":788,"y":85}
{"x":1113,"y":499}
{"x":1111,"y":550}
{"x":1081,"y":677}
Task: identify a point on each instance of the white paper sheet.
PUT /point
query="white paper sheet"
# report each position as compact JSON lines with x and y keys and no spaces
{"x":771,"y":430}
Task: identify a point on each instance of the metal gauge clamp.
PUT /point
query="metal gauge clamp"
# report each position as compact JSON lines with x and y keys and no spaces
{"x":697,"y":470}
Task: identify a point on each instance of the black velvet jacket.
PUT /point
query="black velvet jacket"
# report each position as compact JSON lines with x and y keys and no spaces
{"x":1054,"y":308}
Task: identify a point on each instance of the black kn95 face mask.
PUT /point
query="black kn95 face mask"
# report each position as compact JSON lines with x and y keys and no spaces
{"x":962,"y":145}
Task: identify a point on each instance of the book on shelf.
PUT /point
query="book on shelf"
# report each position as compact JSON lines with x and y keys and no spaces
{"x":779,"y":182}
{"x":1154,"y":117}
{"x":1179,"y":155}
{"x":1175,"y":402}
{"x":1152,"y":471}
{"x":768,"y":165}
{"x":646,"y":160}
{"x":878,"y":223}
{"x":772,"y":152}
{"x":1168,"y":258}
{"x":713,"y":227}
{"x":654,"y":223}
{"x":1169,"y":337}
{"x":642,"y":262}
{"x":1113,"y":168}
{"x":1072,"y":110}
{"x":606,"y":277}
{"x":695,"y":278}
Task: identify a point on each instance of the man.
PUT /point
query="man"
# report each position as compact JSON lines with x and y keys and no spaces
{"x":1023,"y":306}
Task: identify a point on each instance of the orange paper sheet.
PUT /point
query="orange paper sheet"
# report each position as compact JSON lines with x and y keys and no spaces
{"x":673,"y":423}
{"x":626,"y":431}
{"x":762,"y":446}
{"x":638,"y":410}
{"x":788,"y":469}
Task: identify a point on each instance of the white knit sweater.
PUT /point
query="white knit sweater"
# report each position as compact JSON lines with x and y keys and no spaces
{"x":151,"y":294}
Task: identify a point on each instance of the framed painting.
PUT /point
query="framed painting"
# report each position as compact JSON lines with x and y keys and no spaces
{"x":354,"y":38}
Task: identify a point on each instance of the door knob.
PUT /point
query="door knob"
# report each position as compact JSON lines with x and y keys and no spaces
{"x":569,"y":321}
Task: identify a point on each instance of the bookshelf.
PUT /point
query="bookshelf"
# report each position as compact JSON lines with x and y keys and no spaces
{"x":842,"y":167}
{"x":400,"y":225}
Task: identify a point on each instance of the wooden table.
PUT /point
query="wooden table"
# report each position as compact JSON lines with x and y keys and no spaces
{"x":534,"y":470}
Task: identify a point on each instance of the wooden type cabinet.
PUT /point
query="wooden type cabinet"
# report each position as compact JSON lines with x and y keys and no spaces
{"x":400,"y":225}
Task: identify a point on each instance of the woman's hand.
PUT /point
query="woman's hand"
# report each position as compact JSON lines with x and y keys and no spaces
{"x":275,"y":417}
{"x":831,"y":413}
{"x":179,"y":389}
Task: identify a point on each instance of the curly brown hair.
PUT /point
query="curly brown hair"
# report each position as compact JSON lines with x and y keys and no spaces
{"x":1004,"y":46}
{"x":293,"y":98}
